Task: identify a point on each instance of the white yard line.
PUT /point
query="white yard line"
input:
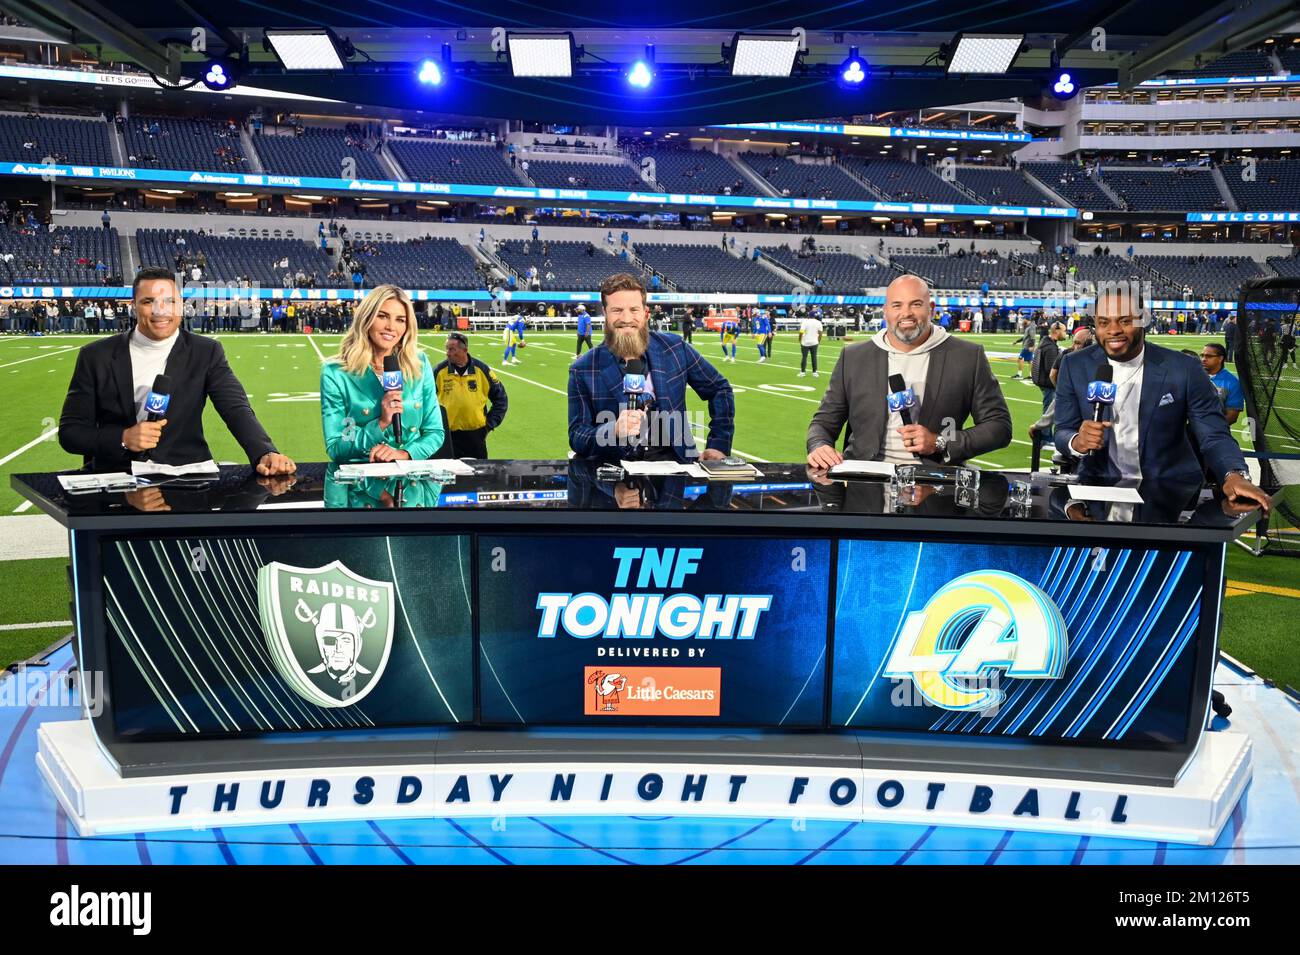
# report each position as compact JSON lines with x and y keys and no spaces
{"x":28,"y":446}
{"x":61,"y":351}
{"x":43,"y":625}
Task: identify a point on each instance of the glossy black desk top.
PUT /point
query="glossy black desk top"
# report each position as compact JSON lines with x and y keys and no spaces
{"x":572,"y":493}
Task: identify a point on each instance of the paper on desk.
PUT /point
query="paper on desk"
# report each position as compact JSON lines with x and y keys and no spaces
{"x":1114,"y":495}
{"x":873,"y":468}
{"x":397,"y":469}
{"x":74,"y":483}
{"x":654,"y":468}
{"x":152,"y":469}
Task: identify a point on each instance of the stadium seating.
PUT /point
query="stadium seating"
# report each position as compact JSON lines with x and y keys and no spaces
{"x":574,"y":269}
{"x":805,"y":180}
{"x":1275,"y":188}
{"x":562,"y":174}
{"x":1237,"y":63}
{"x":1209,"y":276}
{"x":904,"y":181}
{"x":428,"y":161}
{"x":231,"y":259}
{"x":1001,"y":187}
{"x":318,"y":152}
{"x":1288,"y":265}
{"x":158,"y":142}
{"x":1088,"y":268}
{"x":682,"y":170}
{"x":839,"y":271}
{"x":970,"y":272}
{"x":1071,"y":183}
{"x":706,"y":268}
{"x":66,"y":140}
{"x":1159,"y":190}
{"x":438,"y":263}
{"x":32,"y":258}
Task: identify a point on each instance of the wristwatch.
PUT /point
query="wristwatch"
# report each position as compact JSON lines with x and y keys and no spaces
{"x":941,"y":445}
{"x":1245,"y":475}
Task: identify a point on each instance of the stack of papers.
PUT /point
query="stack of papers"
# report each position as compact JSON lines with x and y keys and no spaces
{"x":862,"y":469}
{"x":439,"y":467}
{"x":654,"y":468}
{"x":1111,"y":495}
{"x":90,"y":483}
{"x":197,"y":469}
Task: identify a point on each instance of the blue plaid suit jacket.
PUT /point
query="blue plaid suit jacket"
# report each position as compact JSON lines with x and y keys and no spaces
{"x":596,"y":398}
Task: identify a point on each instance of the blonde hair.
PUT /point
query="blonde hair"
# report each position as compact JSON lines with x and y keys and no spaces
{"x":357,"y":352}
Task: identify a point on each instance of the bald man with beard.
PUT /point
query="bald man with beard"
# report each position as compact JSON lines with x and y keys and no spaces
{"x":949,"y":377}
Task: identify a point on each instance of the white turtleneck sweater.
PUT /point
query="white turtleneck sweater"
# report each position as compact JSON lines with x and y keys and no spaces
{"x":914,"y":366}
{"x":148,"y":361}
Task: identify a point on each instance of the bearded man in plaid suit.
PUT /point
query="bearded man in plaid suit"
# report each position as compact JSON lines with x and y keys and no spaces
{"x":627,"y":396}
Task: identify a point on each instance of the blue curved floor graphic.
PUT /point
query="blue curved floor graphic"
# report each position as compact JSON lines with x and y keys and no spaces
{"x":1264,"y":829}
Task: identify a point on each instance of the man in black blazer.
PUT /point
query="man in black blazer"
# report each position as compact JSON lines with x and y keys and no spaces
{"x":951,"y":379}
{"x":103,"y":417}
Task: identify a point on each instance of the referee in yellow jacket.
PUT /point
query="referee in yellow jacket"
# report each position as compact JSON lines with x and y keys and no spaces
{"x":473,"y":397}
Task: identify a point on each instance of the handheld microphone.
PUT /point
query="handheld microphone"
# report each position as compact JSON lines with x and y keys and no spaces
{"x":901,"y":398}
{"x":392,"y":381}
{"x":634,"y":384}
{"x":1101,"y":391}
{"x":159,"y":397}
{"x":156,"y":402}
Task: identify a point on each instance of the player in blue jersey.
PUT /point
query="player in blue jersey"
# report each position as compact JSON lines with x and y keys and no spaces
{"x":514,"y":335}
{"x":730,"y":332}
{"x":762,"y":334}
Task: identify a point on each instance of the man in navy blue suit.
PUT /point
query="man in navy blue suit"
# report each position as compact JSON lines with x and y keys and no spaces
{"x":604,"y":422}
{"x":1160,"y":396}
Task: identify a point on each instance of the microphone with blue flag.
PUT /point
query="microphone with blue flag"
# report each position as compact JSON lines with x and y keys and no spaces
{"x":902,"y":399}
{"x":159,"y":397}
{"x":636,"y":393}
{"x":156,"y":403}
{"x":1101,"y":391}
{"x":392,"y":381}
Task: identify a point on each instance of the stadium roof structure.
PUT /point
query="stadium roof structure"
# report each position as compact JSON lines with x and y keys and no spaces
{"x":692,"y":80}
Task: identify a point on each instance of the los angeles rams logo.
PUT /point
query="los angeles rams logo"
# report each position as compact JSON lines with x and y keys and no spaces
{"x":986,"y":620}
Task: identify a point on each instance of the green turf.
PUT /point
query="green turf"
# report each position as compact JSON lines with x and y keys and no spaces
{"x":38,"y":593}
{"x":282,"y":374}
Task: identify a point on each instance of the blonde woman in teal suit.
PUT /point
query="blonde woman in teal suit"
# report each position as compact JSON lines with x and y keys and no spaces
{"x":356,"y":411}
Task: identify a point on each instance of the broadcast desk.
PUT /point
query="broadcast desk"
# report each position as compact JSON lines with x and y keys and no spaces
{"x":532,"y":639}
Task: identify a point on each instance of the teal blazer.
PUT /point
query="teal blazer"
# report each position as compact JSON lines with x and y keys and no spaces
{"x":350,"y":414}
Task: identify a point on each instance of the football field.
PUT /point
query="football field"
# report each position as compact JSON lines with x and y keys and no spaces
{"x":282,"y":376}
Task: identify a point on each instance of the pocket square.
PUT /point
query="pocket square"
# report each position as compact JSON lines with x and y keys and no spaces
{"x":1168,"y":399}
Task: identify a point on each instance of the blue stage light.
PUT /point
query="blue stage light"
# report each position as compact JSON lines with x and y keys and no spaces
{"x":640,"y":76}
{"x":853,"y":71}
{"x":430,"y":73}
{"x":1063,"y":85}
{"x":217,"y":76}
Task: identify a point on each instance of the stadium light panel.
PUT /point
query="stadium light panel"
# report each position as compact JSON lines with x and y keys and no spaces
{"x":308,"y":49}
{"x":983,"y":52}
{"x":541,"y":54}
{"x":759,"y":54}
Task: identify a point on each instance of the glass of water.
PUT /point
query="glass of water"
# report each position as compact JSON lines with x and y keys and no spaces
{"x":1021,"y":493}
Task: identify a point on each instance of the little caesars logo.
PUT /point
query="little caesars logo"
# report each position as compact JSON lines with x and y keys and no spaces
{"x":329,"y":631}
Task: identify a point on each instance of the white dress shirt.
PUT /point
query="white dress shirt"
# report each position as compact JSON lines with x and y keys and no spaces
{"x":1125,"y":456}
